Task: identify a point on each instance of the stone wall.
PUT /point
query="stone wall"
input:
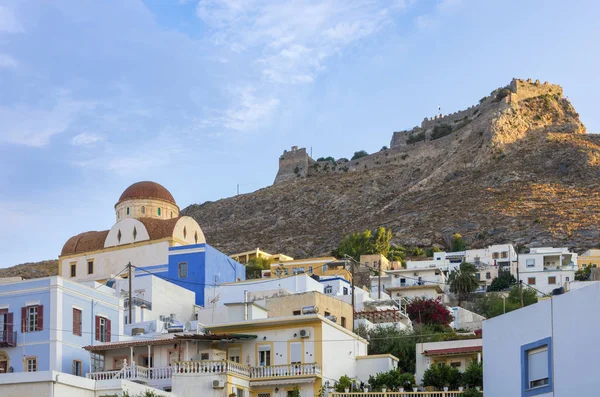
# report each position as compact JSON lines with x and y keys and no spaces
{"x":448,"y":118}
{"x":523,"y":89}
{"x":293,"y":164}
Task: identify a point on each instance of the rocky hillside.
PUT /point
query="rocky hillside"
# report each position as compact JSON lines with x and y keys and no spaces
{"x":32,"y":269}
{"x":515,"y":171}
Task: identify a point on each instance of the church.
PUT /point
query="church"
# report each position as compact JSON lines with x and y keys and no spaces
{"x":150,"y":234}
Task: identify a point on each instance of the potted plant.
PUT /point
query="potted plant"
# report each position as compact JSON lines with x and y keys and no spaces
{"x":366,"y":389}
{"x":347,"y":390}
{"x":383,"y":388}
{"x":446,"y":388}
{"x":415,"y":389}
{"x":401,"y":389}
{"x":460,"y":388}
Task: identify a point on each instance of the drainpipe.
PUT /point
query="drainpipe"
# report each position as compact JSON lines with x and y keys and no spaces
{"x":245,"y":305}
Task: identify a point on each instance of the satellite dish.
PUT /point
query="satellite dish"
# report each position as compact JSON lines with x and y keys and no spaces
{"x":187,"y":327}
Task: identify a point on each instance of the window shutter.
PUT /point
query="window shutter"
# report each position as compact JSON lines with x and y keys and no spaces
{"x":40,"y":318}
{"x":77,"y":322}
{"x":24,"y":319}
{"x":9,"y":326}
{"x":108,"y":330}
{"x":73,"y":368}
{"x":97,"y":328}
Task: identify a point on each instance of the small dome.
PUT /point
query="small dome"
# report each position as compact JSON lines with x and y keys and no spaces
{"x":146,"y":190}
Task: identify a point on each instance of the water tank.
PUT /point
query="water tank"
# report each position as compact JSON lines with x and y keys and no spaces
{"x":310,"y":310}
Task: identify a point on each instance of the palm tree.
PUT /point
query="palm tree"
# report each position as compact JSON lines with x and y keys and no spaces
{"x":463,"y":281}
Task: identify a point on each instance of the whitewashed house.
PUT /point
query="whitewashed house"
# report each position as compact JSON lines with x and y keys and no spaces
{"x":546,"y":349}
{"x":411,"y":283}
{"x":547,"y":268}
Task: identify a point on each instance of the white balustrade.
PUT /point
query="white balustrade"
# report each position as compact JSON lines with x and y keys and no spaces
{"x":103,"y":375}
{"x":278,"y":371}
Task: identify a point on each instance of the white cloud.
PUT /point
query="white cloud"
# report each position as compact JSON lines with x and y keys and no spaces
{"x":287,"y":43}
{"x":85,"y":139}
{"x":8,"y":62}
{"x":9,"y":22}
{"x":32,"y":125}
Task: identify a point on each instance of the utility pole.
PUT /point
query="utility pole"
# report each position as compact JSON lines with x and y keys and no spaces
{"x":521,"y":292}
{"x":238,"y":189}
{"x":352,"y":292}
{"x":379,"y":286}
{"x":130,"y":301}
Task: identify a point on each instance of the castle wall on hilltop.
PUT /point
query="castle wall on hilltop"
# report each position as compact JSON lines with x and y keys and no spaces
{"x":448,"y":118}
{"x":524,"y":89}
{"x":293,"y":164}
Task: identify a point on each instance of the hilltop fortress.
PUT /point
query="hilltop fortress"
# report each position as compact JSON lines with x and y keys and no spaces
{"x":435,"y":131}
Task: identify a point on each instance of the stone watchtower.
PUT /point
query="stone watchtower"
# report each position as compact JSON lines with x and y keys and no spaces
{"x":293,"y":164}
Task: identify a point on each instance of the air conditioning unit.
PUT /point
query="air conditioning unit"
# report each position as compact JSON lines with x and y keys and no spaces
{"x":218,"y":384}
{"x":304,"y":333}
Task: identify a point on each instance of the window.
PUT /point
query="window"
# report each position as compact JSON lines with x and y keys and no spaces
{"x":324,"y":268}
{"x":504,"y":254}
{"x":296,"y":353}
{"x":478,"y":276}
{"x":97,"y":362}
{"x":297,"y":312}
{"x":343,"y":322}
{"x":234,"y":354}
{"x":345,"y":290}
{"x":31,"y":364}
{"x":76,"y":368}
{"x":143,"y":210}
{"x":103,"y":329}
{"x":327,"y":314}
{"x":567,"y":279}
{"x":329,"y":289}
{"x":531,"y":280}
{"x":91,"y":266}
{"x":286,"y":271}
{"x":134,"y":233}
{"x":310,"y":270}
{"x":488,"y":275}
{"x":127,"y":210}
{"x":264,"y":355}
{"x":32,"y":318}
{"x":530,"y":262}
{"x":552,"y":280}
{"x":73,"y":269}
{"x":455,"y":364}
{"x":263,"y":395}
{"x":182,"y":269}
{"x":536,"y":367}
{"x":238,"y":392}
{"x":76,"y":322}
{"x":495,"y":255}
{"x":158,"y":211}
{"x":204,"y":356}
{"x":402,"y":281}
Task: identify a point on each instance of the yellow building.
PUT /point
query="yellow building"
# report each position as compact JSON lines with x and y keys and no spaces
{"x":331,"y":308}
{"x":590,"y":257}
{"x":323,"y":266}
{"x":374,"y":261}
{"x":458,"y":354}
{"x":245,"y":257}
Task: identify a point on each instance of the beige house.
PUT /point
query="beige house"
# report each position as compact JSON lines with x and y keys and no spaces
{"x":329,"y":307}
{"x":590,"y":257}
{"x":322,"y":266}
{"x":378,"y":261}
{"x":459,"y":354}
{"x":245,"y":257}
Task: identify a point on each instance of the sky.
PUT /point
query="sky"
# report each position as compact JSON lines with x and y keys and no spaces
{"x":201,"y":96}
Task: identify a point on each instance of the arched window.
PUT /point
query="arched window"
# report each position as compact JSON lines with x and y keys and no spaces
{"x":127,"y":210}
{"x":143,"y":209}
{"x":158,"y":211}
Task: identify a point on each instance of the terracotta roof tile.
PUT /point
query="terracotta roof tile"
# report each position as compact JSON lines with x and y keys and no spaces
{"x":146,"y":190}
{"x":84,"y":242}
{"x":454,"y":350}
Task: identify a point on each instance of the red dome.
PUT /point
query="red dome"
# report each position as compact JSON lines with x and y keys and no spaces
{"x":146,"y":190}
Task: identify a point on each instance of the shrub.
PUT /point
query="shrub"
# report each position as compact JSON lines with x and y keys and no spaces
{"x":471,"y":393}
{"x":392,"y":380}
{"x":502,"y":93}
{"x":343,"y":160}
{"x":428,"y":312}
{"x":344,"y":383}
{"x":383,"y":148}
{"x":414,"y":138}
{"x":359,"y":154}
{"x":440,"y":130}
{"x":473,"y":375}
{"x":440,"y":375}
{"x":330,"y":159}
{"x":482,"y":100}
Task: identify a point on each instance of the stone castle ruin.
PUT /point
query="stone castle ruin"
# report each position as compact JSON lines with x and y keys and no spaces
{"x":296,"y":163}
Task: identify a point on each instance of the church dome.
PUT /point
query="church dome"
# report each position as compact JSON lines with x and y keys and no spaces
{"x":146,"y":190}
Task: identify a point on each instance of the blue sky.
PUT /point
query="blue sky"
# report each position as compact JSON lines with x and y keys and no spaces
{"x":202,"y":95}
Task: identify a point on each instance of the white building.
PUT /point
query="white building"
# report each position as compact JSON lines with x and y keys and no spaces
{"x":458,"y":354}
{"x":546,"y":269}
{"x":411,"y":283}
{"x":546,"y":349}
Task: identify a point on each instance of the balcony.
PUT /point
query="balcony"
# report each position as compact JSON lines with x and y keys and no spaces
{"x":400,"y":394}
{"x":8,"y":339}
{"x":138,"y":302}
{"x":209,"y":367}
{"x":134,"y":373}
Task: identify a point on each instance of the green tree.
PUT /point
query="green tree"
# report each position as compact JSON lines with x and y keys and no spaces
{"x":503,"y":282}
{"x":432,"y":251}
{"x":392,"y":380}
{"x":383,"y":148}
{"x":441,"y":375}
{"x":418,"y":251}
{"x":381,"y":241}
{"x":584,"y":273}
{"x":463,"y":281}
{"x":255,"y":266}
{"x":295,"y":392}
{"x":529,"y":296}
{"x":473,"y":375}
{"x":355,"y":245}
{"x":457,"y":243}
{"x":344,"y":383}
{"x":396,"y":253}
{"x":359,"y":154}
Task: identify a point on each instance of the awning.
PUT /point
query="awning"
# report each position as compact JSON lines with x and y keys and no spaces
{"x":172,"y":338}
{"x":453,"y":351}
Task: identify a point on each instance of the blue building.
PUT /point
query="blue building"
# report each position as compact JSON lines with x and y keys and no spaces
{"x":44,"y":323}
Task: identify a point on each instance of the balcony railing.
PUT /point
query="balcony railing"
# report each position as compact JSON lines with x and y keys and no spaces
{"x":138,"y":302}
{"x":134,"y":373}
{"x":272,"y":371}
{"x":8,"y":339}
{"x":401,"y":394}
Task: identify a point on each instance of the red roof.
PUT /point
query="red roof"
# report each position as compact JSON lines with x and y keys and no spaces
{"x":453,"y":350}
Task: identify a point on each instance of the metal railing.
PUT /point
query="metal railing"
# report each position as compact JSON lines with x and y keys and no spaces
{"x":279,"y":371}
{"x":138,"y":302}
{"x":400,"y":394}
